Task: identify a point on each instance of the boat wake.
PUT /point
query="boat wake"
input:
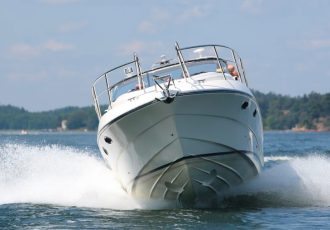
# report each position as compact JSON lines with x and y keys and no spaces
{"x":286,"y":182}
{"x":58,"y":175}
{"x":67,"y":176}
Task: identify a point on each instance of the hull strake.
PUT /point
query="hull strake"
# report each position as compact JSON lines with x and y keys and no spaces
{"x":194,"y":180}
{"x":201,"y":156}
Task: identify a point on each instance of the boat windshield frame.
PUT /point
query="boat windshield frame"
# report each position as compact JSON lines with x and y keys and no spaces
{"x":134,"y":75}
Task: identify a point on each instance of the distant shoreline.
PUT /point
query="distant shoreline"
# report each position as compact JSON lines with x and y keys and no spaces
{"x":29,"y":132}
{"x":309,"y":113}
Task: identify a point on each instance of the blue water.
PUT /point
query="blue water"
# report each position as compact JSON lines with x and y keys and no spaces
{"x":59,"y":181}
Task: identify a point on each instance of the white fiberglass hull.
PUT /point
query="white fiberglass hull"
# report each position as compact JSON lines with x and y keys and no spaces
{"x":185,"y":153}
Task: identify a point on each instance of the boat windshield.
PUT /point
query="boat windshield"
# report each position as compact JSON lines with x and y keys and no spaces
{"x":173,"y":71}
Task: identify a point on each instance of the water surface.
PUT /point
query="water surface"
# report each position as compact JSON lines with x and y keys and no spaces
{"x":59,"y":181}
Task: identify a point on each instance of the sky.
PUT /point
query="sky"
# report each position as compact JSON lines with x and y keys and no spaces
{"x":51,"y":51}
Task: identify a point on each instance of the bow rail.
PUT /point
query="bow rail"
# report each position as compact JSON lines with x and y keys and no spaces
{"x":190,"y":61}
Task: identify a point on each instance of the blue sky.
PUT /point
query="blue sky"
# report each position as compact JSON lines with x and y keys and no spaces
{"x":52,"y":50}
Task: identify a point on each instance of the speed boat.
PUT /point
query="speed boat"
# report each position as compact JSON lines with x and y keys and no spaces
{"x":182,"y":132}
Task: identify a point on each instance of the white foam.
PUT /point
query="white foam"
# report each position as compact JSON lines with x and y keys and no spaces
{"x":298,"y":180}
{"x":58,"y":175}
{"x":314,"y":173}
{"x":71,"y":177}
{"x":277,"y":158}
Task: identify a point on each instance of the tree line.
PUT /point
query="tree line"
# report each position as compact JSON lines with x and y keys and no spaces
{"x":308,"y":112}
{"x":14,"y":118}
{"x":279,"y":112}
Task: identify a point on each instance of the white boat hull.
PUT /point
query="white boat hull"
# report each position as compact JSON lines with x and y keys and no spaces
{"x":185,"y":153}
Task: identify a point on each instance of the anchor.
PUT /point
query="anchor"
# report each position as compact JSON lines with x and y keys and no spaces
{"x":167,"y":96}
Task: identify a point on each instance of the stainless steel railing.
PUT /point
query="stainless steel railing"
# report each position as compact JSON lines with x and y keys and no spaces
{"x":107,"y":90}
{"x":105,"y":84}
{"x":233,"y":59}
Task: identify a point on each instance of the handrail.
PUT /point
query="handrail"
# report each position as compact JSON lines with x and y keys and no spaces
{"x":96,"y":103}
{"x":182,"y":62}
{"x":138,"y":72}
{"x":108,"y":86}
{"x":217,"y":56}
{"x":219,"y":63}
{"x":245,"y":80}
{"x":234,"y":54}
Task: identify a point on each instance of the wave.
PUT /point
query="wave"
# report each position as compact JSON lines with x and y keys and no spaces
{"x":277,"y":158}
{"x":67,"y":176}
{"x":58,"y":175}
{"x":292,"y":181}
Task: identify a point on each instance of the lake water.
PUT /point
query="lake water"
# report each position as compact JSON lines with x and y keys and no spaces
{"x":59,"y":181}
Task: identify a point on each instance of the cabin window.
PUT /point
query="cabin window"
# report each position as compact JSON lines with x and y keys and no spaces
{"x":105,"y":151}
{"x":108,"y":140}
{"x":245,"y":105}
{"x":254,"y":113}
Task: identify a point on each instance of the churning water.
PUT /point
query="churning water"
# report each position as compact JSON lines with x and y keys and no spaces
{"x":57,"y":175}
{"x":59,"y":181}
